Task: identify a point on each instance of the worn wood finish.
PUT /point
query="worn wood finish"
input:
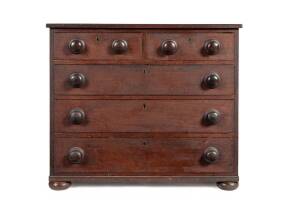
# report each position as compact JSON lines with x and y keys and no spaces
{"x":59,"y":185}
{"x":190,"y":46}
{"x":228,"y":185}
{"x":144,"y":107}
{"x":143,"y":156}
{"x":144,"y":115}
{"x":98,"y":46}
{"x":144,"y":79}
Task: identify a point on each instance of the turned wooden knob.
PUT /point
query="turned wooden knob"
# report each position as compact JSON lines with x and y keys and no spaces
{"x":76,"y":155}
{"x":211,"y":117}
{"x":212,"y":80}
{"x":211,"y":155}
{"x":77,"y":80}
{"x":211,"y":47}
{"x":119,"y":46}
{"x":169,"y":47}
{"x":76,"y":116}
{"x":77,"y":46}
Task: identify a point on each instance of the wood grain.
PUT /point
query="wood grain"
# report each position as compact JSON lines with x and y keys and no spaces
{"x":143,"y":156}
{"x":144,"y":110}
{"x":144,"y":115}
{"x":189,"y":46}
{"x":143,"y":79}
{"x":98,"y":46}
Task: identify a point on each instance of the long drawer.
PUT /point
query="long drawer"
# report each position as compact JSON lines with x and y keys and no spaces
{"x":143,"y":116}
{"x":142,"y":156}
{"x":144,"y":79}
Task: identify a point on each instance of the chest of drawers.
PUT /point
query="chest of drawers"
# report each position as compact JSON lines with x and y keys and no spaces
{"x":144,"y":104}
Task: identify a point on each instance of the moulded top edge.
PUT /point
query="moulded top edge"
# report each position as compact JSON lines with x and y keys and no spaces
{"x":144,"y":26}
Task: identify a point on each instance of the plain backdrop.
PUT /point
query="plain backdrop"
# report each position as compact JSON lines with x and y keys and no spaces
{"x":269,"y":93}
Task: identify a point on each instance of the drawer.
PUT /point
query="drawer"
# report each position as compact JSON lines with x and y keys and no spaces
{"x":189,"y":46}
{"x":97,"y":46}
{"x":144,"y":80}
{"x":143,"y":156}
{"x":165,"y":116}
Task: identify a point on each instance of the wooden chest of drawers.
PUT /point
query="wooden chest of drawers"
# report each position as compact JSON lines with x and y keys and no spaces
{"x":144,"y":104}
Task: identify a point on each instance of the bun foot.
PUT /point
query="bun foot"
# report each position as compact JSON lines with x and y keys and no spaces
{"x":59,"y":185}
{"x":228,"y":185}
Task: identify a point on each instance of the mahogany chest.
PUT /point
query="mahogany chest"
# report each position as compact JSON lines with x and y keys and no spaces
{"x":144,"y":104}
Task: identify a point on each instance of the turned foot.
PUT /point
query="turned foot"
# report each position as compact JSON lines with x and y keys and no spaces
{"x":228,"y":185}
{"x":59,"y":185}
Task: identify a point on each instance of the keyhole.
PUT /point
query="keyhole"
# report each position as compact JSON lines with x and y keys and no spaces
{"x":97,"y":38}
{"x":146,"y":71}
{"x":144,"y":106}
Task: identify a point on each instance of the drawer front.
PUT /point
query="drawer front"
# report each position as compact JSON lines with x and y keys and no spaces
{"x":98,"y":46}
{"x":189,"y":46}
{"x":144,"y":79}
{"x":163,"y":116}
{"x":142,"y":156}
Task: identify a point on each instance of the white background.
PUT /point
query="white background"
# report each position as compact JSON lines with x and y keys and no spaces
{"x":269,"y":93}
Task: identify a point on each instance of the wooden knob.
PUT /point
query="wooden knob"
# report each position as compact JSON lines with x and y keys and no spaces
{"x":169,"y":47}
{"x":76,"y":116}
{"x":212,"y":80}
{"x":77,"y":80}
{"x":77,"y":46}
{"x":76,"y":155}
{"x":119,"y":46}
{"x":211,"y":117}
{"x":211,"y":155}
{"x":211,"y":47}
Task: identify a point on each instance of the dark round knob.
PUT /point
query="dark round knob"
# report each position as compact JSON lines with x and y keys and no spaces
{"x":212,"y":80}
{"x":119,"y":46}
{"x":212,"y":117}
{"x":169,"y":47}
{"x":211,"y":155}
{"x":76,"y":155}
{"x":211,"y":47}
{"x":77,"y":80}
{"x":77,"y":46}
{"x":76,"y":116}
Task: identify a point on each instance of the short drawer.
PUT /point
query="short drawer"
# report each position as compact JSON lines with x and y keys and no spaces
{"x":144,"y":79}
{"x":165,"y":116}
{"x":97,"y":46}
{"x":190,"y":46}
{"x":143,"y":156}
